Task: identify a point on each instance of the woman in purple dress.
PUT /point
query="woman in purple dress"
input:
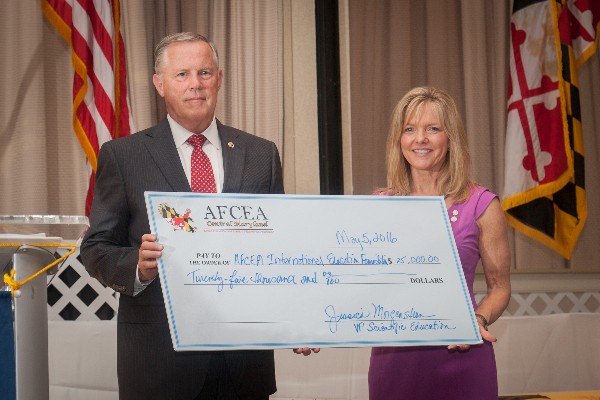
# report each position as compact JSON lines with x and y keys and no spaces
{"x":427,"y":155}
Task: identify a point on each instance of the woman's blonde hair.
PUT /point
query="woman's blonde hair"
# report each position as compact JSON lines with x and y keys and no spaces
{"x":455,"y":176}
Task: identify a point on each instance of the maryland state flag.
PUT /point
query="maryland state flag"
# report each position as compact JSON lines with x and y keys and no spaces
{"x":544,"y":193}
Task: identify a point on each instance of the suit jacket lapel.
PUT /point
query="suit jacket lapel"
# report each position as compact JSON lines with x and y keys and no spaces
{"x":234,"y":153}
{"x":161,"y":146}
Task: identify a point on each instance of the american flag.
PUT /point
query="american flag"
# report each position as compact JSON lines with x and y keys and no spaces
{"x":100,"y":107}
{"x":544,"y":193}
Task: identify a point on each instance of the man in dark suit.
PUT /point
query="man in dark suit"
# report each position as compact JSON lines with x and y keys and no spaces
{"x":119,"y":251}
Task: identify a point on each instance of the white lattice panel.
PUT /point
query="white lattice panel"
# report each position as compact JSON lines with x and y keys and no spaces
{"x":73,"y":295}
{"x":540,"y":303}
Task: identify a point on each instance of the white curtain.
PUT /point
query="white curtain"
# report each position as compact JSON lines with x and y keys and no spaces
{"x":43,"y":168}
{"x":267,"y":53}
{"x":460,"y":46}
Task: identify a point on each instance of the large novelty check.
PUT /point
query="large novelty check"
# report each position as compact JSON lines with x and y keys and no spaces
{"x":287,"y":271}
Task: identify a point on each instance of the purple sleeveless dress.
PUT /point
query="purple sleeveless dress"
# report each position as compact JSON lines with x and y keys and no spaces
{"x":434,"y":372}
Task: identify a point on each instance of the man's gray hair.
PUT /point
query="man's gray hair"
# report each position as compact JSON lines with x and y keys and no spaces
{"x":163,"y":45}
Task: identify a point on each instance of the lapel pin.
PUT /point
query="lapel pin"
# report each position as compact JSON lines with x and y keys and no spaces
{"x":230,"y":145}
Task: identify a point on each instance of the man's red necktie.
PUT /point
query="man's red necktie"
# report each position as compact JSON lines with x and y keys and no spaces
{"x":203,"y":178}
